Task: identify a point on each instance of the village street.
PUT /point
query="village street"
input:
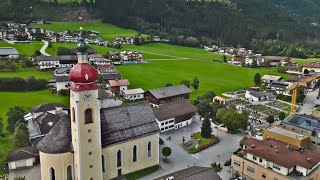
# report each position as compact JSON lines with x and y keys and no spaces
{"x":308,"y":104}
{"x":181,"y":159}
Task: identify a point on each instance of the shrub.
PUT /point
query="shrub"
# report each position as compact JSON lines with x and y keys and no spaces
{"x":227,"y":163}
{"x":63,"y":92}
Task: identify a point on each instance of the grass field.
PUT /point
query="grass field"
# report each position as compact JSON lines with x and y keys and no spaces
{"x":27,"y":49}
{"x":108,"y":31}
{"x":26,"y":100}
{"x":302,"y":61}
{"x":27,"y":72}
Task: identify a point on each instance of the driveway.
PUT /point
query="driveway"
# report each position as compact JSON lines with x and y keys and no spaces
{"x":181,"y":159}
{"x":308,"y":102}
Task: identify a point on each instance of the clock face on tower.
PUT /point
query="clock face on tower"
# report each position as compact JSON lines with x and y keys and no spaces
{"x":87,"y":96}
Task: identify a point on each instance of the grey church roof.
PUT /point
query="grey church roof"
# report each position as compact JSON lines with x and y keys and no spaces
{"x":58,"y":140}
{"x":170,"y":91}
{"x":118,"y":124}
{"x":47,"y":121}
{"x":45,"y":107}
{"x":127,"y":122}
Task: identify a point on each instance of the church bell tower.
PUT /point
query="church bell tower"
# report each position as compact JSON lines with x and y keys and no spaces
{"x":85,"y":118}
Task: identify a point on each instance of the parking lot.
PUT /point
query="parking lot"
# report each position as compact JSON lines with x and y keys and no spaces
{"x":181,"y":159}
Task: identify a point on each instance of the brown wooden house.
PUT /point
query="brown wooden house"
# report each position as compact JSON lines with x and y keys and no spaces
{"x":167,"y":94}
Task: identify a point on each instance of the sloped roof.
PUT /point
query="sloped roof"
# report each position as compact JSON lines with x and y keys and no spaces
{"x":285,"y":157}
{"x":271,"y":78}
{"x":262,"y":94}
{"x":173,"y":109}
{"x":120,"y":82}
{"x":133,"y":91}
{"x":170,"y":91}
{"x":127,"y":122}
{"x":5,"y":51}
{"x":62,"y":78}
{"x":58,"y":140}
{"x":22,"y":153}
{"x":102,"y":94}
{"x":45,"y":107}
{"x":312,"y":64}
{"x":46,"y":122}
{"x":112,"y":76}
{"x":303,"y":121}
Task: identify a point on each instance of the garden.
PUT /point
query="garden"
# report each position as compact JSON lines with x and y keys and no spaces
{"x":201,"y":142}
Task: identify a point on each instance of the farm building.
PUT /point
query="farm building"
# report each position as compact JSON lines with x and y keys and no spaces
{"x":8,"y":53}
{"x":133,"y":94}
{"x":260,"y":96}
{"x":22,"y":158}
{"x":116,"y":86}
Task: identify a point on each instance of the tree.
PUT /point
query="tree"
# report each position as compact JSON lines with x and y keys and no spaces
{"x":100,"y":79}
{"x":20,"y":137}
{"x":282,"y":115}
{"x":186,"y":83}
{"x":257,"y":79}
{"x":12,"y":66}
{"x":166,"y":151}
{"x":14,"y":115}
{"x":27,"y":63}
{"x":232,"y":119}
{"x":270,"y":119}
{"x":206,"y":129}
{"x":3,"y":66}
{"x":204,"y":108}
{"x":36,"y":53}
{"x":195,"y":83}
{"x":254,"y":64}
{"x":224,"y":57}
{"x":168,"y":84}
{"x":1,"y":127}
{"x":63,"y":51}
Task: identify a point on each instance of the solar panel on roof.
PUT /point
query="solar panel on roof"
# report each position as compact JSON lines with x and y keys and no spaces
{"x":296,"y":120}
{"x":314,"y":124}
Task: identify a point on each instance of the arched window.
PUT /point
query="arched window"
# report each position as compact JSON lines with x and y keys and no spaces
{"x":134,"y":154}
{"x":149,"y":149}
{"x":88,"y":116}
{"x":103,"y":164}
{"x":119,"y":159}
{"x":52,"y":174}
{"x":69,"y":172}
{"x":73,"y":115}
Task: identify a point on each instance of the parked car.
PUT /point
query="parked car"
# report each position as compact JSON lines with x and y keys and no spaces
{"x":161,"y":142}
{"x":222,"y":127}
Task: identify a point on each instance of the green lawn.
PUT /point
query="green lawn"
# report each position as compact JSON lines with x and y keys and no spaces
{"x":108,"y":31}
{"x":26,"y":49}
{"x":142,"y":173}
{"x":27,"y":72}
{"x":204,"y":141}
{"x":302,"y":61}
{"x":26,"y":100}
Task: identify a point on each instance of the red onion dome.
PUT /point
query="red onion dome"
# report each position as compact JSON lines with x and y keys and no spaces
{"x":83,"y":73}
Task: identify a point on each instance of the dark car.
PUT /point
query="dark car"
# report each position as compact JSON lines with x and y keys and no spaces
{"x":161,"y":142}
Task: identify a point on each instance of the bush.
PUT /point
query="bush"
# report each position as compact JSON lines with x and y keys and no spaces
{"x":63,"y":92}
{"x":216,"y":167}
{"x":20,"y":84}
{"x":227,"y":163}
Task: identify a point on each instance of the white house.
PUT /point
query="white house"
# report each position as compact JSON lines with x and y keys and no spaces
{"x":133,"y":94}
{"x":259,"y":96}
{"x":62,"y":82}
{"x":9,"y":52}
{"x":24,"y":157}
{"x":106,"y":100}
{"x":174,"y":115}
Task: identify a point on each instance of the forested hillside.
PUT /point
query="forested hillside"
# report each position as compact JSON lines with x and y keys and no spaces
{"x":272,"y":27}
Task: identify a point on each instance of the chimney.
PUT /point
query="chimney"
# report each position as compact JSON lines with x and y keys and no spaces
{"x":277,"y":151}
{"x":253,"y":146}
{"x":308,"y":159}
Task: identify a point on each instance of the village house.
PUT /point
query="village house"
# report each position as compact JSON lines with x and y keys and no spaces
{"x":131,"y":57}
{"x":174,"y":115}
{"x":311,"y":67}
{"x":53,"y":62}
{"x":116,"y":86}
{"x":133,"y":94}
{"x":106,"y":100}
{"x":109,"y":72}
{"x":293,"y":70}
{"x":115,"y":57}
{"x":273,"y":159}
{"x":268,"y":79}
{"x":97,"y":59}
{"x":8,"y":53}
{"x":192,"y":173}
{"x":280,"y":87}
{"x":62,"y":82}
{"x":277,"y":60}
{"x":23,"y":158}
{"x":259,"y":96}
{"x":167,"y":94}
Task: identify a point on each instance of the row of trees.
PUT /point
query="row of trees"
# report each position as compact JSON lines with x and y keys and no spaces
{"x":20,"y":84}
{"x":195,"y":83}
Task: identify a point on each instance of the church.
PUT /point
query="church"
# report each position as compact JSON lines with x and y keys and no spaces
{"x":94,"y":143}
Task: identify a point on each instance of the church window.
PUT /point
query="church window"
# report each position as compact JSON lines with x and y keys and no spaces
{"x":134,"y":153}
{"x":69,"y":173}
{"x":52,"y":174}
{"x":89,"y":141}
{"x":149,"y":149}
{"x":91,"y":166}
{"x":73,"y":115}
{"x":90,"y":153}
{"x":103,"y":164}
{"x":119,"y":159}
{"x":88,"y":116}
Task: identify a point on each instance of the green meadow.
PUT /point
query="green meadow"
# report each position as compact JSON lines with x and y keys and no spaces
{"x":26,"y":49}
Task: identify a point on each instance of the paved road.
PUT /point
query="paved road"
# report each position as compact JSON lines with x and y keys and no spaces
{"x":308,"y":102}
{"x":44,"y":47}
{"x":181,"y":159}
